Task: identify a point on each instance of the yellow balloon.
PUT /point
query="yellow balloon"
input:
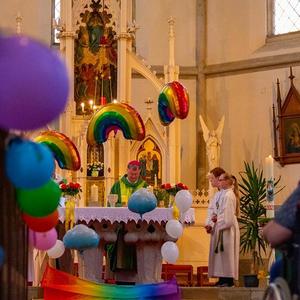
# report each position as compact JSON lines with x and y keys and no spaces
{"x":175,"y":212}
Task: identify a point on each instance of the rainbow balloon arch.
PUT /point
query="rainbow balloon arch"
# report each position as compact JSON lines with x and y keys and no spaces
{"x":59,"y":285}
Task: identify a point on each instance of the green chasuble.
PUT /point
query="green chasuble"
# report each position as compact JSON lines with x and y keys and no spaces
{"x":121,"y":255}
{"x":123,"y":188}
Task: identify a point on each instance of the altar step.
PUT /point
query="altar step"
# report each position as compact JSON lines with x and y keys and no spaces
{"x":215,"y":293}
{"x":192,"y":293}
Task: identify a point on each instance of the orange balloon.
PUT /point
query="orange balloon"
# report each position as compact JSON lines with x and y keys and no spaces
{"x":41,"y":224}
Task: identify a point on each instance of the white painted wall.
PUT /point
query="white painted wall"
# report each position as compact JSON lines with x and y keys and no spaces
{"x":236,"y":30}
{"x":153,"y":44}
{"x":36,"y":18}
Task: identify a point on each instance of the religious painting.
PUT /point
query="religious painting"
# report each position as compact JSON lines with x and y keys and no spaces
{"x":286,"y":125}
{"x":292,"y":135}
{"x":149,"y":155}
{"x":95,"y":65}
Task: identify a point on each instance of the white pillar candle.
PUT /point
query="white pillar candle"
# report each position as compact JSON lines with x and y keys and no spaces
{"x":269,"y":167}
{"x":155,"y":180}
{"x":94,"y":193}
{"x":269,"y":175}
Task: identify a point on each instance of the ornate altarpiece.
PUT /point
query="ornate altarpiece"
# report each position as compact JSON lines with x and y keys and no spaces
{"x":95,"y":57}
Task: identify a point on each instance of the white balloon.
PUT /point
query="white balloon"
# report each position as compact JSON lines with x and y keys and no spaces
{"x":57,"y":250}
{"x":169,"y":252}
{"x":183,"y":200}
{"x":174,"y":229}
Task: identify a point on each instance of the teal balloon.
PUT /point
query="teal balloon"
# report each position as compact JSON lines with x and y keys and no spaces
{"x":142,"y":201}
{"x":81,"y":238}
{"x":41,"y":201}
{"x":28,"y":165}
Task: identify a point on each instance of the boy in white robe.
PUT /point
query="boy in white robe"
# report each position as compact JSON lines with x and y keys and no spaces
{"x":225,"y":235}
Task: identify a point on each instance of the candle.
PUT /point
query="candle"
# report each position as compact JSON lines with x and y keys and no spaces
{"x":94,"y":193}
{"x":155,"y":180}
{"x":269,"y":167}
{"x":82,"y":106}
{"x":91,"y":102}
{"x":269,"y":170}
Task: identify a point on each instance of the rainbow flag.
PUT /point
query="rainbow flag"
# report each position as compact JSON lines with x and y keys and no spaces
{"x":63,"y":286}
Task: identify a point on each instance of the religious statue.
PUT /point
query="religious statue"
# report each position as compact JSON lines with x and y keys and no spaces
{"x":213,"y":142}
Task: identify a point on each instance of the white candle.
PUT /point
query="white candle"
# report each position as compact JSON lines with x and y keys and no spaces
{"x":82,"y":106}
{"x":269,"y":167}
{"x":91,"y":102}
{"x":94,"y":193}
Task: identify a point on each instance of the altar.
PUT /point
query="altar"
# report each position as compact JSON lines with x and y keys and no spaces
{"x":147,"y":234}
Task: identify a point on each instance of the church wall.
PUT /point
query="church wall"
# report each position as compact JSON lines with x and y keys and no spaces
{"x":236,"y":31}
{"x":153,"y":44}
{"x":246,"y":101}
{"x":36,"y":21}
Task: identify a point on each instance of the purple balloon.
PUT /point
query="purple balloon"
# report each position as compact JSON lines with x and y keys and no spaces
{"x":43,"y":240}
{"x":34,"y":83}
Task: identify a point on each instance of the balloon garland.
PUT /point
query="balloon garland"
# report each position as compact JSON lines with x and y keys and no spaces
{"x":33,"y":92}
{"x":174,"y":228}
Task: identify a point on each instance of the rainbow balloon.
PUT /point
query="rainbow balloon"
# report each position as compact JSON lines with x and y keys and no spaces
{"x":60,"y":285}
{"x":64,"y":150}
{"x":173,"y":102}
{"x":114,"y":116}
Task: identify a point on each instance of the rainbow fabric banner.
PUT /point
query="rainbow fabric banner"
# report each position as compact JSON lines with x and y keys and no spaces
{"x":63,"y":286}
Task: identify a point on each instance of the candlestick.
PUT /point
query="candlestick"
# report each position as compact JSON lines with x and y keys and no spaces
{"x":269,"y":167}
{"x":94,"y":193}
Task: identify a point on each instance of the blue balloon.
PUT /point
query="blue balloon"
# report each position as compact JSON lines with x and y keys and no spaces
{"x":34,"y":83}
{"x":81,"y":238}
{"x":1,"y":256}
{"x":28,"y":165}
{"x":142,"y":201}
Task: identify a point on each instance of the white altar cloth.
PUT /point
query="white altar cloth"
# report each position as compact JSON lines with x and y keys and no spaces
{"x":123,"y":214}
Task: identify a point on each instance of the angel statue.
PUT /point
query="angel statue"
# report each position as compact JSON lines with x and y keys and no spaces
{"x":213,"y":142}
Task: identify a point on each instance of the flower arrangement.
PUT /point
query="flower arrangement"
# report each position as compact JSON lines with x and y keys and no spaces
{"x":95,"y":166}
{"x":166,"y":190}
{"x":95,"y":169}
{"x":172,"y":190}
{"x":70,"y":189}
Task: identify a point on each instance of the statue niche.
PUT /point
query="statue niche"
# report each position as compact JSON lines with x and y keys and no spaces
{"x":95,"y":65}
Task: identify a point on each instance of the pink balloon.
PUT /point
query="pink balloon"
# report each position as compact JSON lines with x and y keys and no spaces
{"x":43,"y":240}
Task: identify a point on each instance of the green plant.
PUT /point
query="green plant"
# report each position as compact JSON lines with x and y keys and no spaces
{"x":253,"y":194}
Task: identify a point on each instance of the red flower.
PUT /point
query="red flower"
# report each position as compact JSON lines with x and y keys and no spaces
{"x":77,"y":186}
{"x":63,"y":186}
{"x":168,"y":186}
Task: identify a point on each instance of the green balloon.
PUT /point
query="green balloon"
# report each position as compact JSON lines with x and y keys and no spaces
{"x":39,"y":202}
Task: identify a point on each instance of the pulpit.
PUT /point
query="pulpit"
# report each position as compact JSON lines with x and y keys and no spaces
{"x":146,"y":233}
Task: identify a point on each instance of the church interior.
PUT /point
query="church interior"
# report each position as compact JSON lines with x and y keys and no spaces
{"x":240,"y":71}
